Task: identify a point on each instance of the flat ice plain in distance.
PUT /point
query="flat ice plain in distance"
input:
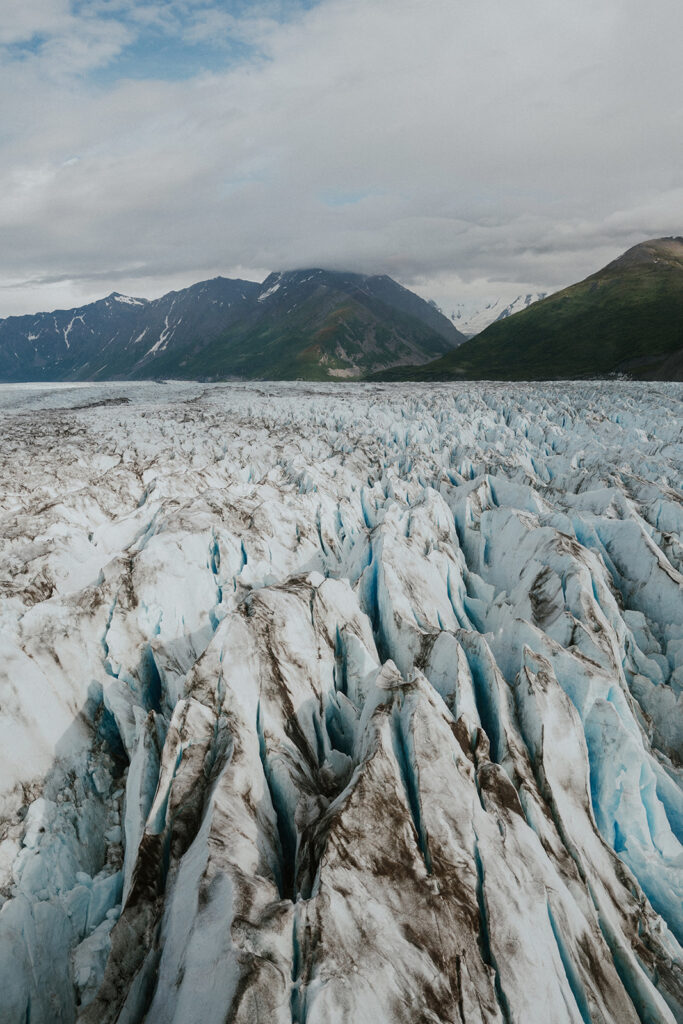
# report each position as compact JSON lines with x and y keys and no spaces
{"x":351,"y":703}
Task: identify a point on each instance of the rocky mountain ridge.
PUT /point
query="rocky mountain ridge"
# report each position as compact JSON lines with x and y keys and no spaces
{"x":309,"y":323}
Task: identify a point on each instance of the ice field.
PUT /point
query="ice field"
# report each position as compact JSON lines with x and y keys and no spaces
{"x":341,"y":703}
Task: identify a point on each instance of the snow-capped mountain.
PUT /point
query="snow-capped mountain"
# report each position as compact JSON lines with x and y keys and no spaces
{"x":296,"y":324}
{"x":471,"y":319}
{"x":119,"y":335}
{"x":326,"y":704}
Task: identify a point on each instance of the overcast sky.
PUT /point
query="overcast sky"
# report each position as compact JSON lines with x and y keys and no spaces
{"x":469,"y":148}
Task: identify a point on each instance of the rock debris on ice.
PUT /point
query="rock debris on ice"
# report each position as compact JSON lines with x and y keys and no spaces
{"x":326,"y":704}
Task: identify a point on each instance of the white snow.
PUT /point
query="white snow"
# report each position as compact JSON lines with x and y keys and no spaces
{"x":128,"y":300}
{"x":269,"y":291}
{"x":471,"y":318}
{"x":67,"y":330}
{"x":341,"y":702}
{"x":163,"y":339}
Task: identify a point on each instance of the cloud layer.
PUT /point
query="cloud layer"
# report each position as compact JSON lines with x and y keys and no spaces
{"x":465,"y":148}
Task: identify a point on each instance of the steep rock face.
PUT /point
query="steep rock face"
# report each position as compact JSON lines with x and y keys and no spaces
{"x":341,"y":704}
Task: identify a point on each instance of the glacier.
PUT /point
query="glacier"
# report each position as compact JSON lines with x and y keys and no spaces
{"x":341,"y":703}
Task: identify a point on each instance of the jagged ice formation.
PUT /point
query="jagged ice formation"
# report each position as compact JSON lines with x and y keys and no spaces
{"x":330,"y":704}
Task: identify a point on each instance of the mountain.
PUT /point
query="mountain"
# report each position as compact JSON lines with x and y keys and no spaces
{"x":119,"y":336}
{"x":471,"y":320}
{"x":313,"y":324}
{"x":319,"y":324}
{"x":626,"y":318}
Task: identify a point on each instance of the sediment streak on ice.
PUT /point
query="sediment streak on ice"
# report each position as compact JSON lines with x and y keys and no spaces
{"x":328,"y":704}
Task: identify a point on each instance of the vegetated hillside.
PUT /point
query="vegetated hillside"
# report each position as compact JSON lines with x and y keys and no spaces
{"x":313,"y":324}
{"x":626,"y":318}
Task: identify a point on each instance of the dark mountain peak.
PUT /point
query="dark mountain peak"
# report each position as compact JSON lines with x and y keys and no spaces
{"x":324,"y":275}
{"x":376,"y":291}
{"x":312,"y":276}
{"x":287,"y":286}
{"x":224,"y":283}
{"x":212,"y":286}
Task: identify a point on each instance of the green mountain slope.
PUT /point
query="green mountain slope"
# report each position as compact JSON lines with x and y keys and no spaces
{"x":626,"y":318}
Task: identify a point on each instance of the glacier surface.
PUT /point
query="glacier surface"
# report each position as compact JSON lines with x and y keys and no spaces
{"x":343,"y":703}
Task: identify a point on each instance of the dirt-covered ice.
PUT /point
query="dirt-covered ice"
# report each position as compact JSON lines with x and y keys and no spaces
{"x":330,"y":704}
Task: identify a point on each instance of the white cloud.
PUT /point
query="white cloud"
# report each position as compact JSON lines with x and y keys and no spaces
{"x":22,"y":20}
{"x":46,"y":38}
{"x":478,"y":145}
